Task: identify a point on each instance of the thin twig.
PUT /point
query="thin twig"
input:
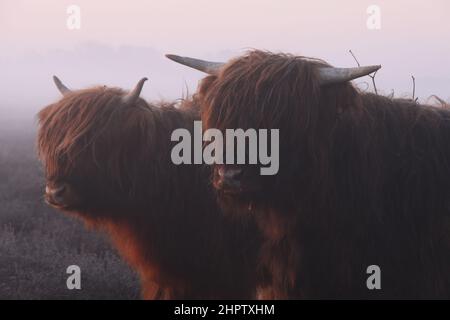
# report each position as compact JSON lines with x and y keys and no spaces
{"x":441,"y":101}
{"x":354,"y":57}
{"x":373,"y":81}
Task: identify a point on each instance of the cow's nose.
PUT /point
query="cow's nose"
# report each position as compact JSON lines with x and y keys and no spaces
{"x":55,"y":195}
{"x":230,"y":177}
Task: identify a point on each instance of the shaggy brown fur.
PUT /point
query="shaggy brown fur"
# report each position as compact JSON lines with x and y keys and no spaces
{"x":363,"y":180}
{"x":163,"y":218}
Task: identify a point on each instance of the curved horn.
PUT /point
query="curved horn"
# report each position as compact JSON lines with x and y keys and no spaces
{"x":330,"y":75}
{"x":61,"y":87}
{"x":202,"y":65}
{"x":134,"y":95}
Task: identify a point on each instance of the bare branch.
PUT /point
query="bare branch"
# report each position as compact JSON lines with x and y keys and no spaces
{"x":373,"y":81}
{"x":354,"y":57}
{"x":441,"y":101}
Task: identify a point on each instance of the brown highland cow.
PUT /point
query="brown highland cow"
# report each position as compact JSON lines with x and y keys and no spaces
{"x":363,"y":179}
{"x":107,"y":160}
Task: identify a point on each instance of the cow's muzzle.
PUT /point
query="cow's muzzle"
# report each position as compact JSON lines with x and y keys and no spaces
{"x":228,"y":178}
{"x":61,"y":195}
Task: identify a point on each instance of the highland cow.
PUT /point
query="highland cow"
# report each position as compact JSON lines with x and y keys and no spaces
{"x":363,"y":179}
{"x":107,"y":160}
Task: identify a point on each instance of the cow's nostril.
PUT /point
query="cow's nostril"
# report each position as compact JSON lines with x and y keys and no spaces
{"x":55,"y":195}
{"x":229,"y":177}
{"x":55,"y":191}
{"x":233,"y":173}
{"x":229,"y":173}
{"x":59,"y":191}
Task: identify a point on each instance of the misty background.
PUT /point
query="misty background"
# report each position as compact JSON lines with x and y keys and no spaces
{"x":122,"y":41}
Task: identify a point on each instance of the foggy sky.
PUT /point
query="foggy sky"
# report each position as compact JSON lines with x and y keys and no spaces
{"x":123,"y":41}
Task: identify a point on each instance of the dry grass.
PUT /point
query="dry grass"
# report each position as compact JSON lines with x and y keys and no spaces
{"x":37,"y":243}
